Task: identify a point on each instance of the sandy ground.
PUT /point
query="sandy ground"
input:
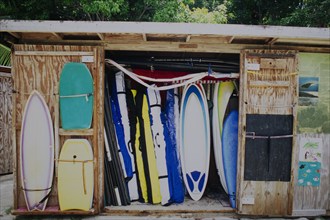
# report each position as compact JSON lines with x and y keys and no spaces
{"x":6,"y":203}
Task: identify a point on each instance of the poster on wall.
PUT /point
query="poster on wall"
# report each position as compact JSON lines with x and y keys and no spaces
{"x":308,"y":91}
{"x":310,"y":160}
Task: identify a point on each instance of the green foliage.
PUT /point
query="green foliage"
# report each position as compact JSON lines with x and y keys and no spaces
{"x":5,"y":56}
{"x":267,"y":12}
{"x":280,"y":12}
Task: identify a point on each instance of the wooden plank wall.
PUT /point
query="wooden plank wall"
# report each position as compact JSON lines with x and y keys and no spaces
{"x":39,"y":67}
{"x":309,"y":200}
{"x":6,"y":148}
{"x":270,"y":90}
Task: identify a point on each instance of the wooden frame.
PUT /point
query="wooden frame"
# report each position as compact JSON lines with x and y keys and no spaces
{"x":266,"y":197}
{"x":39,"y":67}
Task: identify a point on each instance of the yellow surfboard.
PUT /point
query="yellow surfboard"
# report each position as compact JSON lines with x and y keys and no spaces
{"x":139,"y":160}
{"x":153,"y":171}
{"x":75,"y":175}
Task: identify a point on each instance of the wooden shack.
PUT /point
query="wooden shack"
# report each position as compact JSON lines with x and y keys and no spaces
{"x":273,"y":63}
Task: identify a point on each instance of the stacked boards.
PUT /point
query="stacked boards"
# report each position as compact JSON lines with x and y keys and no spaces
{"x":75,"y":163}
{"x":156,"y":181}
{"x":37,"y":148}
{"x":170,"y":151}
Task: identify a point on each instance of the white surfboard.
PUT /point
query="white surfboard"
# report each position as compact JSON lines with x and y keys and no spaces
{"x":195,"y":140}
{"x":36,"y":152}
{"x":159,"y":143}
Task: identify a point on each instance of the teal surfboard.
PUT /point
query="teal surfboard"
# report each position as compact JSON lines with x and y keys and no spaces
{"x":76,"y":96}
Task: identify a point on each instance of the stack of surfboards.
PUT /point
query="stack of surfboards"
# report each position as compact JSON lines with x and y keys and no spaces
{"x":139,"y":121}
{"x":75,"y":163}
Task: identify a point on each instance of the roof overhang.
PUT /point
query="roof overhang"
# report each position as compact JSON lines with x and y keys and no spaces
{"x":155,"y":36}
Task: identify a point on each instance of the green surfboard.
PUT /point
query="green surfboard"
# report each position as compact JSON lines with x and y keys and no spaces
{"x":76,"y":96}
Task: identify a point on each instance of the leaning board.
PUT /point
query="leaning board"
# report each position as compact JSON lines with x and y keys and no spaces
{"x":75,"y":175}
{"x":36,"y":152}
{"x":195,"y":140}
{"x":229,"y":154}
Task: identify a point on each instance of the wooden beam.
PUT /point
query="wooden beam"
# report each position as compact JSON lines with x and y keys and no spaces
{"x":271,"y":41}
{"x":144,"y":37}
{"x":16,"y":35}
{"x":188,"y":38}
{"x":58,"y":36}
{"x":230,"y":39}
{"x":204,"y":48}
{"x":101,"y":36}
{"x":53,"y":53}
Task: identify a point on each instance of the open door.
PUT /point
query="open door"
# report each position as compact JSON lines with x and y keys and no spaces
{"x":267,"y":132}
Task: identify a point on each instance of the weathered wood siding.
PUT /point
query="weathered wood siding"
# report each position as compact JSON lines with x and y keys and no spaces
{"x":6,"y":148}
{"x":311,"y":200}
{"x":269,"y":87}
{"x":39,"y":67}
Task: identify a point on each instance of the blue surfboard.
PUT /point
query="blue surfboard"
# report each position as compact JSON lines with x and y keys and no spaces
{"x":229,"y":154}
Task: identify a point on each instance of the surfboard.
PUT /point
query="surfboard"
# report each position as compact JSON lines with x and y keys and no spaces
{"x":75,"y":175}
{"x":229,"y":152}
{"x":221,"y":95}
{"x":121,"y":96}
{"x":159,"y":143}
{"x":195,"y":140}
{"x":138,"y":156}
{"x":36,"y":152}
{"x":115,"y":173}
{"x":170,"y":118}
{"x":147,"y":148}
{"x":76,"y":96}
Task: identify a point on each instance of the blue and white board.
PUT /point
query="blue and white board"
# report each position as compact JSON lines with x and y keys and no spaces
{"x":121,"y":96}
{"x":195,"y":140}
{"x":159,"y":143}
{"x":171,"y":120}
{"x":221,"y":96}
{"x":229,"y":152}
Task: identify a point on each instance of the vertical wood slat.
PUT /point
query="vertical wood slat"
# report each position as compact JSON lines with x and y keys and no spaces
{"x":6,"y":147}
{"x":270,"y":198}
{"x":42,"y":72}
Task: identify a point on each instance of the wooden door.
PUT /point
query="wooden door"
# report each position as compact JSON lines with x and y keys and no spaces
{"x":267,"y":132}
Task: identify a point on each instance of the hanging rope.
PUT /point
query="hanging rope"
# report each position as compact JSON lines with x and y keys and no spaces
{"x":183,"y":80}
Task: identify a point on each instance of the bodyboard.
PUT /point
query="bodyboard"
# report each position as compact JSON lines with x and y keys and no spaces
{"x":75,"y":175}
{"x":76,"y":96}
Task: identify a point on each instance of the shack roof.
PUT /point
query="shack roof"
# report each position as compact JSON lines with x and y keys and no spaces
{"x":155,"y":36}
